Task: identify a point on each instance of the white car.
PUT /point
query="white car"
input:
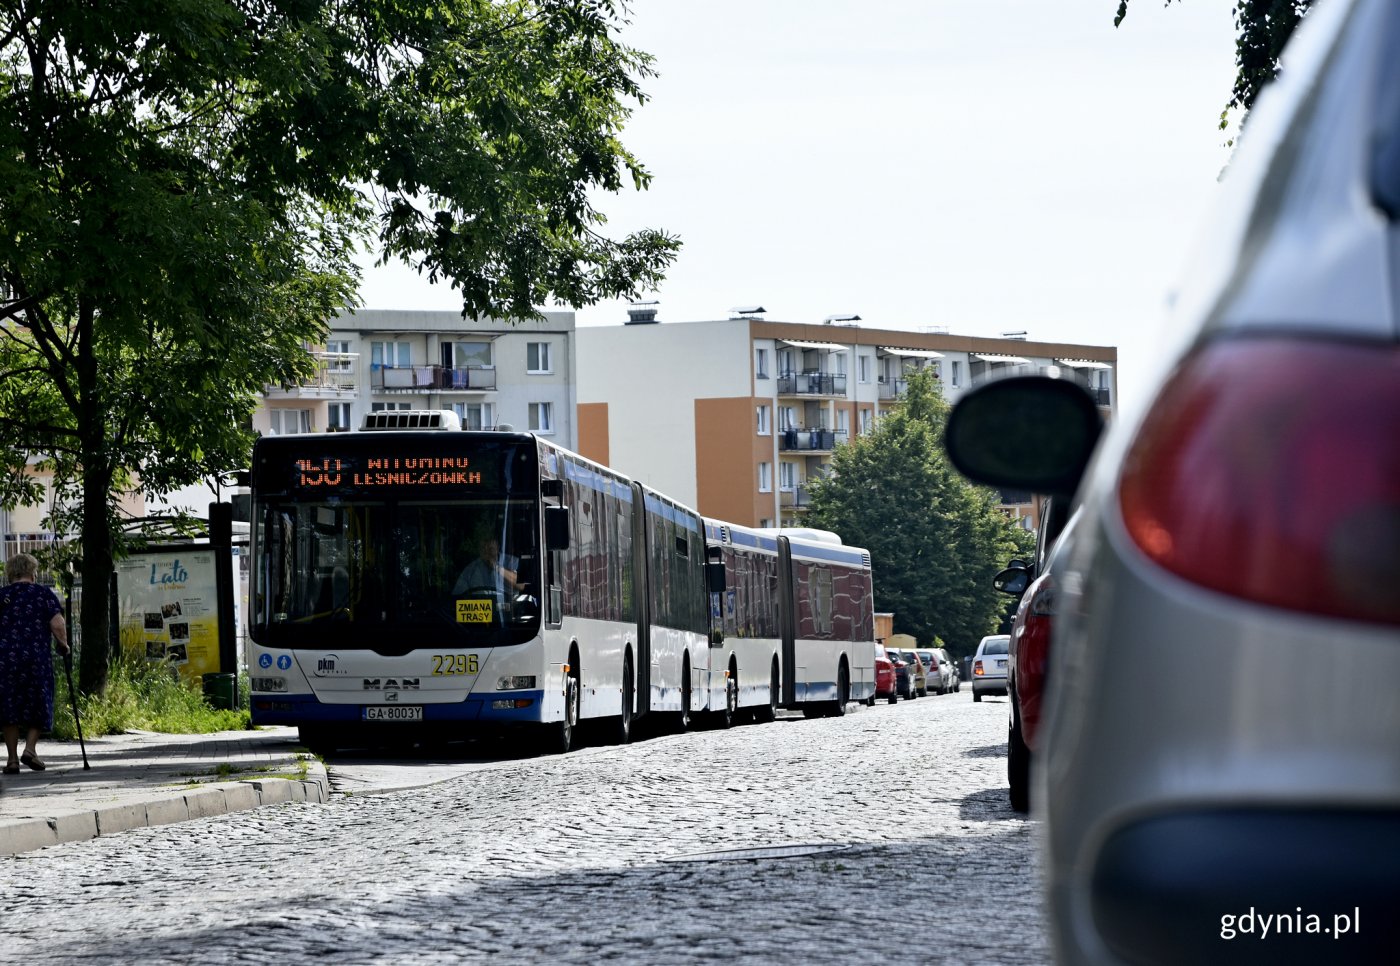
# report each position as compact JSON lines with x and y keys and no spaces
{"x":989,"y":665}
{"x":1202,"y":800}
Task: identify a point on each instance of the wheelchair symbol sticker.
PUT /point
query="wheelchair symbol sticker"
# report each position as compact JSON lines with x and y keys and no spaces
{"x":265,"y":660}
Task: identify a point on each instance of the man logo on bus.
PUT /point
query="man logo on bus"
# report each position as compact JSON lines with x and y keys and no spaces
{"x":390,"y":684}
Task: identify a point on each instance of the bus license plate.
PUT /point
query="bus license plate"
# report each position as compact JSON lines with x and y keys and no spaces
{"x":394,"y":712}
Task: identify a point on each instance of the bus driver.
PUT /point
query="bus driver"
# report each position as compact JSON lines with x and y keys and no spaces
{"x":489,"y":570}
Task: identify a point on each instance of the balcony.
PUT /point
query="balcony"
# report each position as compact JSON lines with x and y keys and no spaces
{"x":893,"y":388}
{"x":334,"y":376}
{"x":812,"y":383}
{"x":809,"y":440}
{"x":432,"y":379}
{"x":796,"y":498}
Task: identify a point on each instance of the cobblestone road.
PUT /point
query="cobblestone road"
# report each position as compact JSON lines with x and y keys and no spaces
{"x":580,"y":858}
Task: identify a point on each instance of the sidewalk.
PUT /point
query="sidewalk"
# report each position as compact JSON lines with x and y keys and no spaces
{"x":142,"y":778}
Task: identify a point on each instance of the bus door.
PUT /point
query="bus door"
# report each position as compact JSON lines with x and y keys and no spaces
{"x":787,"y":620}
{"x":641,"y":594}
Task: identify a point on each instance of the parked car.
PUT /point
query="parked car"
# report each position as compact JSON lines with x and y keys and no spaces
{"x":885,"y":684}
{"x":1236,"y":526}
{"x":1029,"y":649}
{"x":916,"y":668}
{"x":904,"y":682}
{"x":939,"y":668}
{"x":989,"y":666}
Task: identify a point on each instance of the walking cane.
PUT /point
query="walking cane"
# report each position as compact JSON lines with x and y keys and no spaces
{"x":73,"y":695}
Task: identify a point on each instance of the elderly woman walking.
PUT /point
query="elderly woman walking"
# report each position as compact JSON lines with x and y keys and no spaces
{"x":30,"y":615}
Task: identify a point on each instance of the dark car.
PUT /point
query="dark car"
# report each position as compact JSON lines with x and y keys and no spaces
{"x":1199,"y":768}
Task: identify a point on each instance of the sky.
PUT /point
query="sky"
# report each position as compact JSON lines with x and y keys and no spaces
{"x":982,"y":166}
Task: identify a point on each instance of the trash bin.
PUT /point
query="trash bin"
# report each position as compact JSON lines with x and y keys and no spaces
{"x":221,"y":691}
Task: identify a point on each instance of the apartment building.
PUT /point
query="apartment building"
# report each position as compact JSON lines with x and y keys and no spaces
{"x":735,"y":416}
{"x":491,"y":373}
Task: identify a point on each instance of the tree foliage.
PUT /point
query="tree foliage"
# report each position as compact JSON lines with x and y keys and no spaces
{"x":185,"y":185}
{"x":935,"y":540}
{"x":1264,"y":27}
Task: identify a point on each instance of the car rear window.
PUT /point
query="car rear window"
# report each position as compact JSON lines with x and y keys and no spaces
{"x":994,"y":647}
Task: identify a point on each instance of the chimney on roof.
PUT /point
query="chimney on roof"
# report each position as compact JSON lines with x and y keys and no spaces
{"x":747,"y":312}
{"x":842,"y":318}
{"x":642,"y":313}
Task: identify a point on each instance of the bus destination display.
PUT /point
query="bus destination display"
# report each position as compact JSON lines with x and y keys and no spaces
{"x":391,"y":471}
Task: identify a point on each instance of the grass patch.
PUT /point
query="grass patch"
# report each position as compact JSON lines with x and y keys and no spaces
{"x":143,"y":696}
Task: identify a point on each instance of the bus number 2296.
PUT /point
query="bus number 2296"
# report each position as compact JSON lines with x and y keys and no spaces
{"x":451,"y":664}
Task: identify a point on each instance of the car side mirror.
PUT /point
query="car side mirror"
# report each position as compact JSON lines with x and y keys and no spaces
{"x":1031,"y":433}
{"x":1012,"y":580}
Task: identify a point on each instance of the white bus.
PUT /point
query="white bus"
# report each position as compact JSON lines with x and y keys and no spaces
{"x":794,"y":624}
{"x":414,"y":578}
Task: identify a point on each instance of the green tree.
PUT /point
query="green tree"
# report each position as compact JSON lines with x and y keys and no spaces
{"x":935,"y":540}
{"x":184,"y":186}
{"x":1264,"y":27}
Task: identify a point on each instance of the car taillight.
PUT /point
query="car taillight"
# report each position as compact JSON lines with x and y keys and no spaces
{"x":977,"y":667}
{"x":1269,"y":469}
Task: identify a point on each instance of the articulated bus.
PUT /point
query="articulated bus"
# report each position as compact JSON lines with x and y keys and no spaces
{"x":441,"y":581}
{"x":794,"y":621}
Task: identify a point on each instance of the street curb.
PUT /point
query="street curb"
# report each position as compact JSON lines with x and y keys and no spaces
{"x":163,"y":808}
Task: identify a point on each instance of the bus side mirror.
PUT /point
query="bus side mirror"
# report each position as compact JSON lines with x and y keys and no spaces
{"x":715,"y":577}
{"x":556,"y":528}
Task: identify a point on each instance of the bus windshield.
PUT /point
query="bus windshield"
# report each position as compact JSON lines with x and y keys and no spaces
{"x":392,"y":567}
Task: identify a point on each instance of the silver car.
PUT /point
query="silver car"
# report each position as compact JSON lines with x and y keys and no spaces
{"x":989,"y":666}
{"x":1203,"y":801}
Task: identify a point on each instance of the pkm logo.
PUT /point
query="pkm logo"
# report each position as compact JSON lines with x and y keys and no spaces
{"x":326,"y":666}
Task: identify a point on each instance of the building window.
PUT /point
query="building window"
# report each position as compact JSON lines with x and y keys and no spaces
{"x":865,"y":420}
{"x":395,"y":355}
{"x":542,"y":417}
{"x":765,"y":477}
{"x":539,"y":362}
{"x":760,"y":363}
{"x":288,"y":421}
{"x":956,"y":373}
{"x":379,"y":407}
{"x":476,"y":415}
{"x":338,"y":417}
{"x":787,"y":418}
{"x":787,"y":476}
{"x":765,"y":423}
{"x":863,"y":368}
{"x":785,"y":362}
{"x":843,"y":423}
{"x":339,"y":352}
{"x":839,"y":358}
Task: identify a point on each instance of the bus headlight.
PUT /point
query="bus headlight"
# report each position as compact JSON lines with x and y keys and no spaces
{"x":268,"y":684}
{"x":520,"y":682}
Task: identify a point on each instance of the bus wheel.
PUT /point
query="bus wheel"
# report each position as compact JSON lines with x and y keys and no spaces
{"x":837,"y":708}
{"x":559,"y":736}
{"x":731,"y":698}
{"x":765,"y":713}
{"x":683,"y":719}
{"x":622,"y":732}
